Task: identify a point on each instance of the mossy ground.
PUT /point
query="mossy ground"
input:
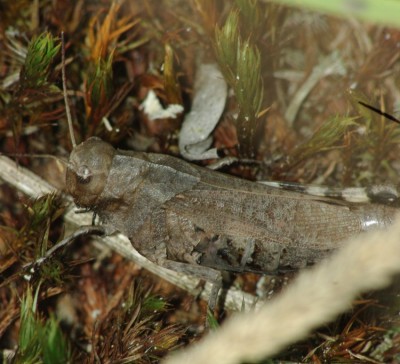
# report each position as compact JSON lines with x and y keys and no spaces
{"x":296,"y":78}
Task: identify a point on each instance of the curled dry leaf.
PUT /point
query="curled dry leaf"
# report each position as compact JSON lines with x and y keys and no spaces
{"x":210,"y":93}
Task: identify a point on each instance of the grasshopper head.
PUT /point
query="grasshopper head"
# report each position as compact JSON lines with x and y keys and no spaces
{"x":88,"y":169}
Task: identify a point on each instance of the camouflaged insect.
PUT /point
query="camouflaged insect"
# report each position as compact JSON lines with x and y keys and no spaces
{"x":198,"y":221}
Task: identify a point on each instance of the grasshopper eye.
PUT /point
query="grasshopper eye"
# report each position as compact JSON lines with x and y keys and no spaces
{"x":84,"y":174}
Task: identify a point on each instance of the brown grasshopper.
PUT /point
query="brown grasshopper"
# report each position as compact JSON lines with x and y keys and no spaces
{"x":201,"y":222}
{"x":198,"y":221}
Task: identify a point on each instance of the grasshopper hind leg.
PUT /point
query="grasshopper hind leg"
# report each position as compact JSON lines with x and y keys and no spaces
{"x":208,"y":274}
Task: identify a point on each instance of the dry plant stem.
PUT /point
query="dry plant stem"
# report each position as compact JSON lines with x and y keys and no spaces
{"x":365,"y":263}
{"x":330,"y":65}
{"x":67,"y":109}
{"x":33,"y":186}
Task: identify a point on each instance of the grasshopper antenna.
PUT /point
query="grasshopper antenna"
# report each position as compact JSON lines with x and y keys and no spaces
{"x":380,"y":112}
{"x":64,"y":82}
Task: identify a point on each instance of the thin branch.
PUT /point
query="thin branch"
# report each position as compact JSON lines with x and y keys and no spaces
{"x":64,"y":82}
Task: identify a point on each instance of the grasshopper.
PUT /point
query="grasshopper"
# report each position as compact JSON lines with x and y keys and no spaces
{"x":198,"y":221}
